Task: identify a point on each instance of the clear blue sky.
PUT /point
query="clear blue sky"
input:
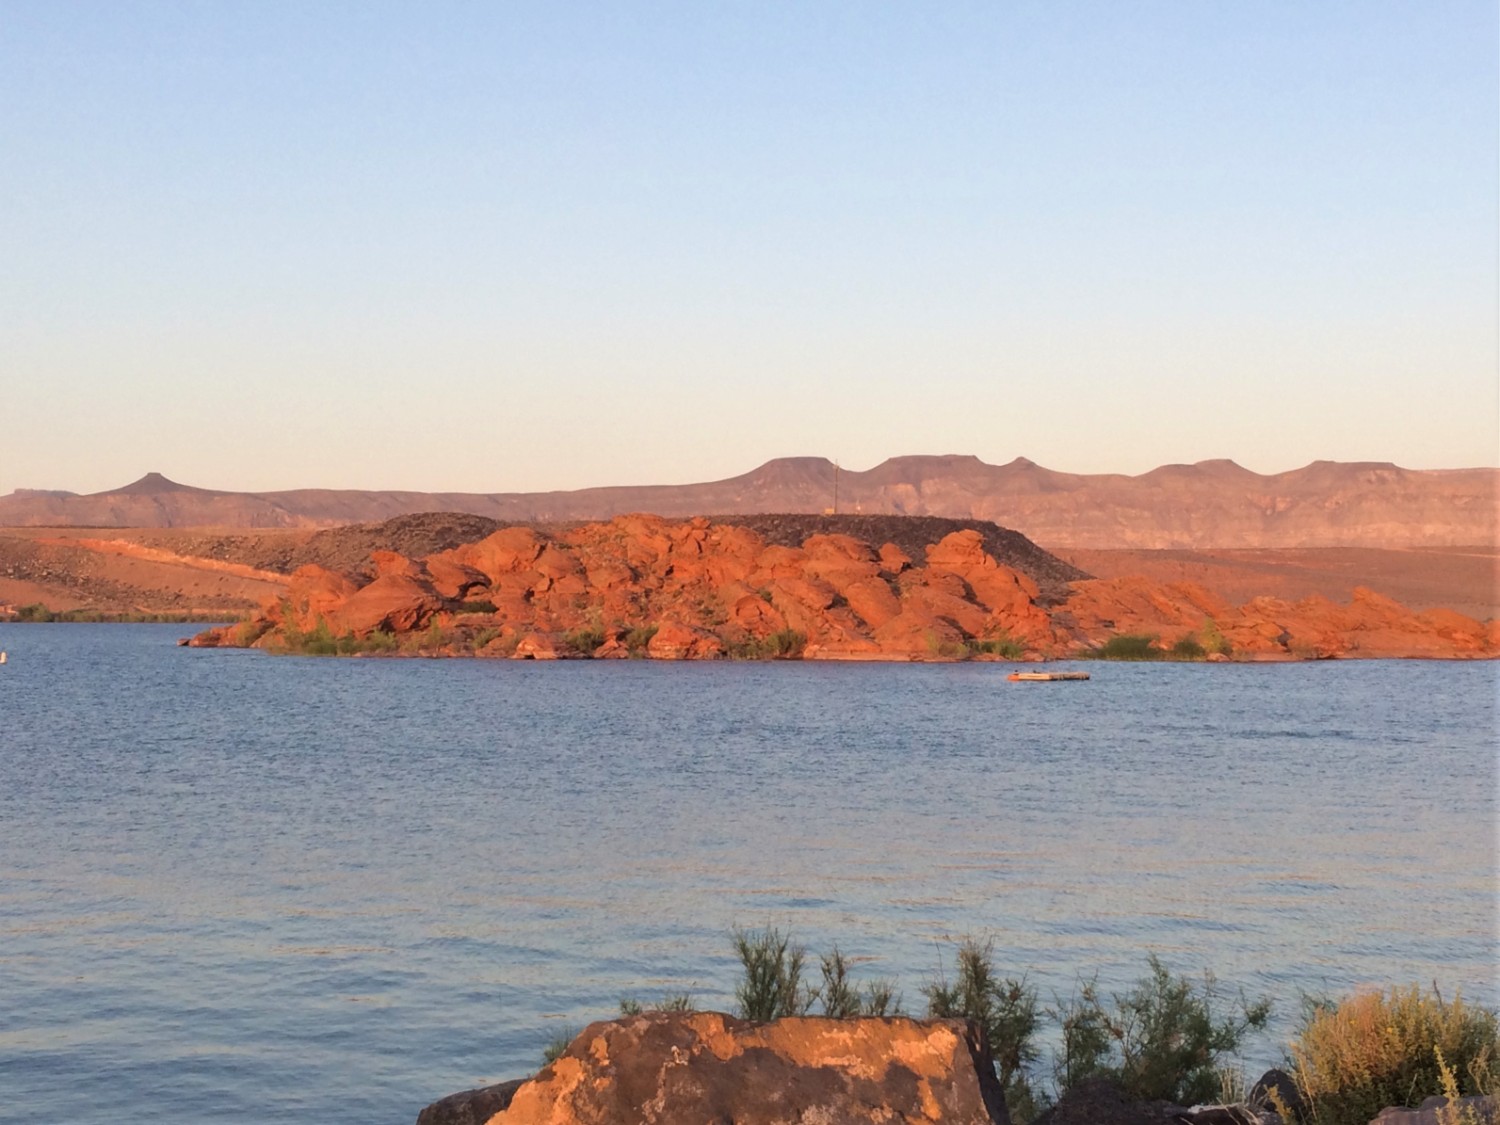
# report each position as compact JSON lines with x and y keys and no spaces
{"x":499,"y":246}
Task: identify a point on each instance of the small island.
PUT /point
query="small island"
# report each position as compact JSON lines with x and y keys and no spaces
{"x":804,"y":587}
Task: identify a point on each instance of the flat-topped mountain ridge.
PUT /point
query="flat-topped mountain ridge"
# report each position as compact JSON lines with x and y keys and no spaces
{"x":1210,"y":504}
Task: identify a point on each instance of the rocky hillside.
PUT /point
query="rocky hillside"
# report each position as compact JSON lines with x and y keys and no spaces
{"x":646,"y":586}
{"x":1209,"y":504}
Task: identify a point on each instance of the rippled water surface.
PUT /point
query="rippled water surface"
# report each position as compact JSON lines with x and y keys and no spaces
{"x":243,"y":888}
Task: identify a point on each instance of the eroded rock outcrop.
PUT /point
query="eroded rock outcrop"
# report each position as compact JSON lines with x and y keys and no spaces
{"x":1313,"y":628}
{"x":663,"y":1068}
{"x":641,"y":585}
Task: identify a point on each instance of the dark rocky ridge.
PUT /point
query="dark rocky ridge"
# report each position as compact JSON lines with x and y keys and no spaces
{"x":914,"y":534}
{"x":347,"y":549}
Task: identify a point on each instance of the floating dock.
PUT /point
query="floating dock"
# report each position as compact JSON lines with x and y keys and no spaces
{"x":1045,"y":677}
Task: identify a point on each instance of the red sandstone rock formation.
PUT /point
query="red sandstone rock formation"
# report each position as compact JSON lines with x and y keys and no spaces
{"x":1313,"y":628}
{"x":692,"y":590}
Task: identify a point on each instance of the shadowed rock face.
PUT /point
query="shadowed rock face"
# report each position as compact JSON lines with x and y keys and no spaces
{"x":1101,"y":1101}
{"x":695,"y":1067}
{"x":470,"y":1107}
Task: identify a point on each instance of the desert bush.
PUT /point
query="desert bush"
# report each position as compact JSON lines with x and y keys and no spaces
{"x":557,"y":1045}
{"x":772,"y":984}
{"x":637,"y":639}
{"x":474,"y":607}
{"x":1005,"y":1008}
{"x":38,"y":613}
{"x":842,"y":999}
{"x":1165,"y":1039}
{"x":435,"y":636}
{"x":377,"y":640}
{"x":1188,"y":648}
{"x":246,"y":633}
{"x":1213,"y":639}
{"x":1127,"y":646}
{"x":1002,"y":645}
{"x":584,"y":641}
{"x":839,"y":994}
{"x":1354,"y":1057}
{"x":785,"y":644}
{"x":672,"y":1002}
{"x":948,"y":650}
{"x":317,"y":641}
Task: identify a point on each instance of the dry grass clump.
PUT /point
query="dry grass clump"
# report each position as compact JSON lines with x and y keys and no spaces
{"x":1389,"y":1048}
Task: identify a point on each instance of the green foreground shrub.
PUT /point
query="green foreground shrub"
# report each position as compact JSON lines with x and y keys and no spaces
{"x":1170,"y":1038}
{"x":1166,"y":1039}
{"x":672,"y":1002}
{"x":843,"y":999}
{"x":557,"y":1045}
{"x":1355,"y":1057}
{"x":1007,"y":1011}
{"x":772,"y":984}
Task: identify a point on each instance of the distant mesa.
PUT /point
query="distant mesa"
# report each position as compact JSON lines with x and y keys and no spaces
{"x":1210,"y":504}
{"x":152,"y":484}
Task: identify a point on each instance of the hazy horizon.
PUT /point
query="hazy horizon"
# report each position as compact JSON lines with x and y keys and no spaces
{"x":466,"y":248}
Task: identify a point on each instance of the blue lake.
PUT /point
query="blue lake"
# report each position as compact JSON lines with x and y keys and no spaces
{"x":237,"y":887}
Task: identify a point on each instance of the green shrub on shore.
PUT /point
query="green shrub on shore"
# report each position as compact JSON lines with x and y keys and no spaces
{"x":843,"y":1000}
{"x":1188,"y":648}
{"x":1125,"y":646}
{"x":584,"y":641}
{"x":672,"y":1002}
{"x":1007,"y":1011}
{"x":1002,"y":645}
{"x":1166,"y":1039}
{"x":772,"y":983}
{"x":1213,"y":639}
{"x":785,"y":644}
{"x":37,"y":613}
{"x":638,"y":638}
{"x":1170,"y":1038}
{"x":317,"y":641}
{"x":321,"y":640}
{"x":557,"y":1045}
{"x":1354,"y":1057}
{"x":375,"y":641}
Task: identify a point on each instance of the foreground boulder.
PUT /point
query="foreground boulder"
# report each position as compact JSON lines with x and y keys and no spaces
{"x":1102,"y":1101}
{"x":470,"y":1107}
{"x":689,"y":1068}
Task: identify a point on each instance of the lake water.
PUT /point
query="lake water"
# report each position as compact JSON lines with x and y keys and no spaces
{"x":244,"y":888}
